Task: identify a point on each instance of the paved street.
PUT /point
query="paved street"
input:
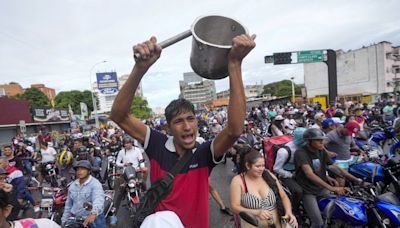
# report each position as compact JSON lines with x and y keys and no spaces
{"x":221,"y":177}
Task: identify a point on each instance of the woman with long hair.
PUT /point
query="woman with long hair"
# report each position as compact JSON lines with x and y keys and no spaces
{"x":257,"y":192}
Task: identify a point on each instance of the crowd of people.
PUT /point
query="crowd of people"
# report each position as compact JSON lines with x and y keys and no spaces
{"x":182,"y":150}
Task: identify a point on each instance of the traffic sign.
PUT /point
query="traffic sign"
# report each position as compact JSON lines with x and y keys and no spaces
{"x":295,"y":57}
{"x":22,"y":126}
{"x":310,"y":56}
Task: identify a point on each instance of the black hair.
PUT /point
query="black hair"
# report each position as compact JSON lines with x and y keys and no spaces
{"x":4,"y":199}
{"x":45,"y":144}
{"x":177,"y":107}
{"x":7,"y":146}
{"x":250,"y":156}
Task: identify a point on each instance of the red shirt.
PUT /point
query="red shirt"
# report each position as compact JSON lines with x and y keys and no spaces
{"x":189,"y":196}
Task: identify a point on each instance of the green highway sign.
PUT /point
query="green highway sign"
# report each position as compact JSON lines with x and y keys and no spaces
{"x":310,"y":56}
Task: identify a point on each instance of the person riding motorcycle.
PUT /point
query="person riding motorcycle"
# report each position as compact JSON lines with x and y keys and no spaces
{"x":85,"y":189}
{"x":311,"y":163}
{"x":65,"y":162}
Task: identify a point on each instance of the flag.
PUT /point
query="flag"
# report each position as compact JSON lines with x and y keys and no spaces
{"x":84,"y":110}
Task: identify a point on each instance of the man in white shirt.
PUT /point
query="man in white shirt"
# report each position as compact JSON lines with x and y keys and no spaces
{"x":48,"y":153}
{"x":130,"y":155}
{"x":48,"y":156}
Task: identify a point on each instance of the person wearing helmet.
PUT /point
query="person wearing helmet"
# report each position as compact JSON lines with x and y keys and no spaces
{"x":65,"y":161}
{"x":85,"y":189}
{"x":130,"y":155}
{"x":311,"y":163}
{"x":83,"y":154}
{"x":284,"y":167}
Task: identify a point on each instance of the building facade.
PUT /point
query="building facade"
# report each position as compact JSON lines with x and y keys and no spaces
{"x":11,"y":89}
{"x":368,"y":71}
{"x":49,"y":92}
{"x":197,"y":90}
{"x":122,"y":80}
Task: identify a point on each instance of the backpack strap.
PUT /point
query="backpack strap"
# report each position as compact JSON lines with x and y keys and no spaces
{"x":244,"y":182}
{"x":289,"y":152}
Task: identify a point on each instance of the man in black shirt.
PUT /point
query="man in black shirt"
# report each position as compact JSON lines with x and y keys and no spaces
{"x":311,"y":165}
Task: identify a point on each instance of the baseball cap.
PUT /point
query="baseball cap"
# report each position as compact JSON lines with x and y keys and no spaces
{"x":352,"y":127}
{"x":327,"y":123}
{"x":278,"y":117}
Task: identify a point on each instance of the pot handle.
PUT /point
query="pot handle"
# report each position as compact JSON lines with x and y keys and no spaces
{"x":170,"y":41}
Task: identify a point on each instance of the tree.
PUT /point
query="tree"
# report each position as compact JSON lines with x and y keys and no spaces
{"x":35,"y":97}
{"x":74,"y":98}
{"x":140,"y":109}
{"x":281,"y":88}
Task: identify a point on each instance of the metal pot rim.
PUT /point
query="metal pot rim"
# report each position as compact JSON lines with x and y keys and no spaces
{"x":210,"y":44}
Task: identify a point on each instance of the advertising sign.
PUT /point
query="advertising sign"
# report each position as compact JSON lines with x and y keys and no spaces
{"x":107,"y":82}
{"x":49,"y":115}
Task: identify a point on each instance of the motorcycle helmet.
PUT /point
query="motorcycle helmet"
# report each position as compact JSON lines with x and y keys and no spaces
{"x":66,"y":158}
{"x":314,"y":134}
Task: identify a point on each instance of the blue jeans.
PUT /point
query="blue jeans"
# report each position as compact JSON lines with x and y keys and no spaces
{"x":100,"y":222}
{"x":28,"y":167}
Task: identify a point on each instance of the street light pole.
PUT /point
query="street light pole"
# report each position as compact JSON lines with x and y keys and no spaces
{"x":94,"y":101}
{"x":293,"y":95}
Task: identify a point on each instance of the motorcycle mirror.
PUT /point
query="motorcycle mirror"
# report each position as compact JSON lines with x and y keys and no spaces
{"x":88,"y":206}
{"x":248,"y":218}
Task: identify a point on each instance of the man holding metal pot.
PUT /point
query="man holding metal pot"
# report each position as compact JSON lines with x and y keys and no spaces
{"x":188,"y":198}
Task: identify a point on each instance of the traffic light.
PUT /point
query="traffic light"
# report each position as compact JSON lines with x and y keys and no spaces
{"x":283,"y":58}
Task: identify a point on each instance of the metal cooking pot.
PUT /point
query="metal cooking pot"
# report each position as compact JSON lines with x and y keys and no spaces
{"x":212,"y":40}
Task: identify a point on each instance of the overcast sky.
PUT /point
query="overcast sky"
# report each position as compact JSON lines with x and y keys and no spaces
{"x":58,"y":42}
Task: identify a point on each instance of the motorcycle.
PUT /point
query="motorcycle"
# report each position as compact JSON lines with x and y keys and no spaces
{"x":362,"y":207}
{"x":51,"y":175}
{"x":52,"y":203}
{"x":109,"y":208}
{"x":112,"y":174}
{"x":135,"y":188}
{"x":77,"y":221}
{"x":386,"y":138}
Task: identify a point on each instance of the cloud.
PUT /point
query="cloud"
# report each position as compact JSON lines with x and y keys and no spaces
{"x":57,"y":43}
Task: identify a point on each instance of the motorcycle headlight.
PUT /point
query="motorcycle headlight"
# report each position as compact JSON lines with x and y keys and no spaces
{"x":49,"y":166}
{"x":131,"y":183}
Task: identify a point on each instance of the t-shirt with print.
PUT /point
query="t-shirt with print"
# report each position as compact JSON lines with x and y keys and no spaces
{"x":189,"y":195}
{"x":318,"y":162}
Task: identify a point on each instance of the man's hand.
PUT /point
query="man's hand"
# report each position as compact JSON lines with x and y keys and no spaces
{"x":340,"y":190}
{"x":149,"y":52}
{"x":89,"y":220}
{"x":6,"y":186}
{"x":241,"y":46}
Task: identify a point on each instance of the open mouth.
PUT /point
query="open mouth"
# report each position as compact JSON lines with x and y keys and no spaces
{"x":188,"y":138}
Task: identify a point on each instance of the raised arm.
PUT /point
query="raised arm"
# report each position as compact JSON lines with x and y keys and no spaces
{"x":120,"y":112}
{"x":242,"y":45}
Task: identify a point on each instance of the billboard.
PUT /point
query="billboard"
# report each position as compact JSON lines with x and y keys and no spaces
{"x":49,"y":115}
{"x":107,"y":82}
